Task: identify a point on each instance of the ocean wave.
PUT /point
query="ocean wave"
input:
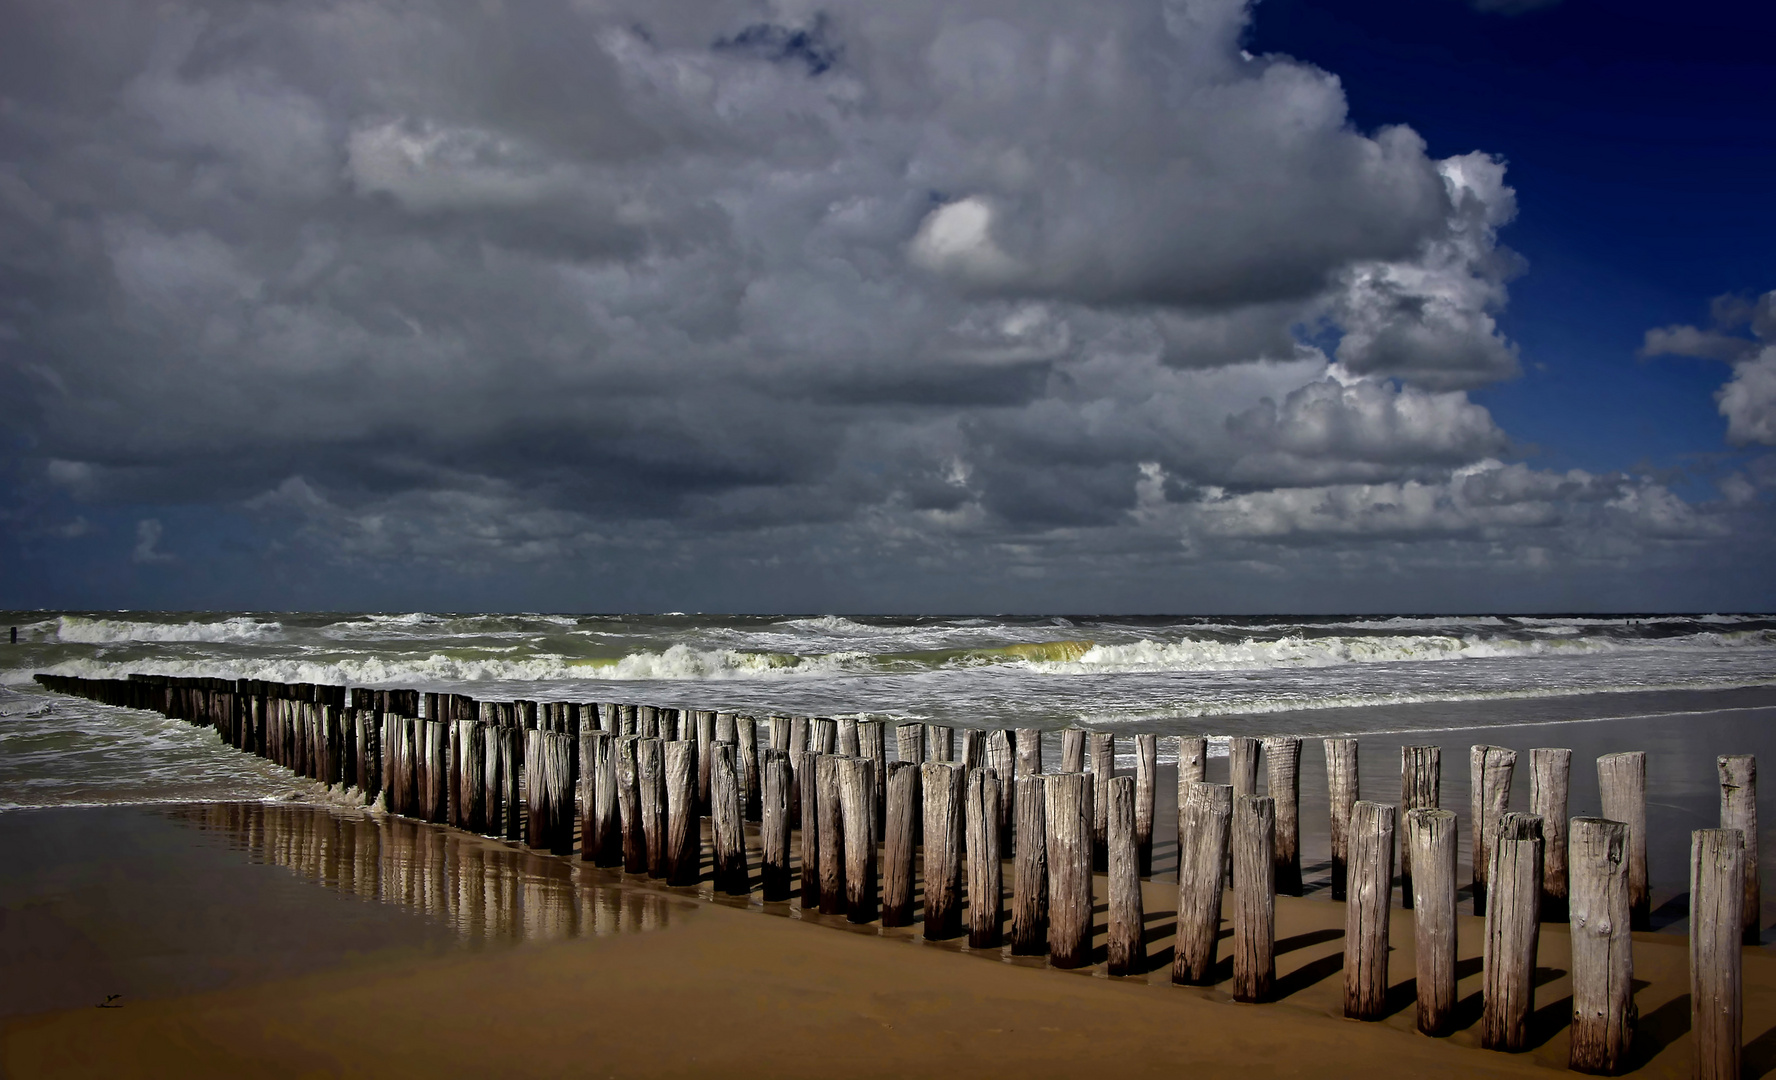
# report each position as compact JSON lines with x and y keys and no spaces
{"x":80,"y":630}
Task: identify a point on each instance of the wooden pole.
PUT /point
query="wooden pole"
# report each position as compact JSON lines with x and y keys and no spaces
{"x":940,"y":742}
{"x":1489,"y":778}
{"x":650,"y":768}
{"x":471,"y":795}
{"x":1103,"y":768}
{"x":1282,"y":762}
{"x":1603,"y":1013}
{"x":1513,"y":929}
{"x":1738,"y":810}
{"x":1717,"y":891}
{"x":897,"y":843}
{"x":857,"y":798}
{"x":1029,"y":752}
{"x":1343,"y":789}
{"x":510,"y":785}
{"x":872,"y":742}
{"x":822,"y":735}
{"x":1421,"y":788}
{"x":909,"y":743}
{"x":798,"y":745}
{"x":746,"y":728}
{"x":1242,"y":766}
{"x":635,"y":852}
{"x":1205,"y":818}
{"x":1029,"y":878}
{"x":1254,"y":896}
{"x":1366,"y":911}
{"x":1127,"y":949}
{"x":974,"y":749}
{"x":829,"y":811}
{"x":808,"y":780}
{"x":1621,"y":780}
{"x":1003,"y":761}
{"x":774,"y":825}
{"x":986,"y":906}
{"x":727,"y":824}
{"x":1067,"y":816}
{"x":1550,"y":772}
{"x":1193,"y":757}
{"x":943,"y":783}
{"x":848,"y":736}
{"x":1072,"y":750}
{"x":705,"y":720}
{"x":1432,"y":839}
{"x":684,"y":827}
{"x":1146,"y":788}
{"x":493,"y":771}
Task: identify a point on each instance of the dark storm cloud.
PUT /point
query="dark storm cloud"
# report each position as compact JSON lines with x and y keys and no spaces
{"x":931,"y":283}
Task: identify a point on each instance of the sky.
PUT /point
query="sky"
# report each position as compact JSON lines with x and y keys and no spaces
{"x":1141,"y":306}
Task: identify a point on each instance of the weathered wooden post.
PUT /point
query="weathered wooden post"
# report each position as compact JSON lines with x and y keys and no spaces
{"x":1193,"y":763}
{"x":1489,"y":774}
{"x":1366,"y":911}
{"x":1549,"y":778}
{"x":974,"y":749}
{"x":985,"y":877}
{"x":1342,"y":791}
{"x":1003,"y":761}
{"x":1029,"y":877}
{"x":1603,"y":1013}
{"x":774,"y":825}
{"x":944,"y":798}
{"x":940,"y":742}
{"x":1072,"y":750}
{"x":635,"y":851}
{"x":1738,"y":810}
{"x":647,"y":721}
{"x":1282,"y":762}
{"x":684,"y":827}
{"x":829,"y":810}
{"x":798,"y":745}
{"x":471,"y":797}
{"x":510,"y":787}
{"x":746,"y":728}
{"x":857,"y":799}
{"x":1242,"y":766}
{"x":1621,"y":780}
{"x":897,"y":843}
{"x":1717,"y":900}
{"x":493,"y":772}
{"x":601,"y":837}
{"x":1513,"y":930}
{"x":650,"y":767}
{"x":1067,"y":815}
{"x":1432,"y":839}
{"x":1127,"y":949}
{"x":822,"y":735}
{"x":848,"y":736}
{"x":1146,"y":790}
{"x":1103,"y":768}
{"x":705,"y":720}
{"x":1205,"y":817}
{"x":727,"y":824}
{"x":808,"y":780}
{"x":872,"y":742}
{"x":1254,"y":897}
{"x":909,"y":743}
{"x":1029,"y":752}
{"x":1421,"y":788}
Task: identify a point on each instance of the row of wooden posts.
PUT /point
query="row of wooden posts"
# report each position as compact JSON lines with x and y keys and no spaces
{"x":637,"y":781}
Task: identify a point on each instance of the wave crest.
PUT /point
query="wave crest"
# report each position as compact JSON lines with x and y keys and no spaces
{"x":77,"y":629}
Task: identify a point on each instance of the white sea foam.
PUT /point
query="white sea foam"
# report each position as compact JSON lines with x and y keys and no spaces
{"x":78,"y":629}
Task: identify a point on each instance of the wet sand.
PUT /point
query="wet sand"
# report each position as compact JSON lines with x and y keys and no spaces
{"x":285,"y":941}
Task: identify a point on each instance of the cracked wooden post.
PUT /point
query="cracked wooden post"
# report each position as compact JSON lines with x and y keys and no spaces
{"x":1432,"y":837}
{"x":1029,"y":878}
{"x":944,"y":797}
{"x":1717,"y":889}
{"x":986,"y":908}
{"x":808,"y":780}
{"x":1738,"y":810}
{"x":705,"y":721}
{"x":1513,"y":930}
{"x":1242,"y":765}
{"x":872,"y":742}
{"x":822,"y":735}
{"x":727,"y":823}
{"x":1072,"y":750}
{"x":1603,"y":1013}
{"x":829,"y":812}
{"x":774,"y":826}
{"x":1371,"y":887}
{"x":848,"y":736}
{"x":1550,"y":772}
{"x":684,"y":826}
{"x":1621,"y":781}
{"x":635,"y":852}
{"x":897,"y":843}
{"x":1254,"y":897}
{"x":1067,"y":816}
{"x":940,"y":742}
{"x":1489,"y":778}
{"x":1146,"y":791}
{"x":798,"y":745}
{"x":1421,"y":788}
{"x":1193,"y":758}
{"x":650,"y":772}
{"x":857,"y":801}
{"x":1282,"y":763}
{"x":746,"y":730}
{"x":1102,"y":749}
{"x":1029,"y":752}
{"x":606,"y":846}
{"x":973,"y":754}
{"x":1342,"y":791}
{"x":1126,"y":950}
{"x":1003,"y":761}
{"x":1205,"y":818}
{"x":909,"y":743}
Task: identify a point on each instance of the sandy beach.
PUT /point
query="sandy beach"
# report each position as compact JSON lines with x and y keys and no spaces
{"x":292,"y":941}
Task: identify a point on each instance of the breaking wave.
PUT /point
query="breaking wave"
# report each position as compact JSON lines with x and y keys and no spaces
{"x":78,"y":629}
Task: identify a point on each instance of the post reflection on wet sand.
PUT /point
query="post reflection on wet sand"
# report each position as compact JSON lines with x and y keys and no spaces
{"x":484,"y":890}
